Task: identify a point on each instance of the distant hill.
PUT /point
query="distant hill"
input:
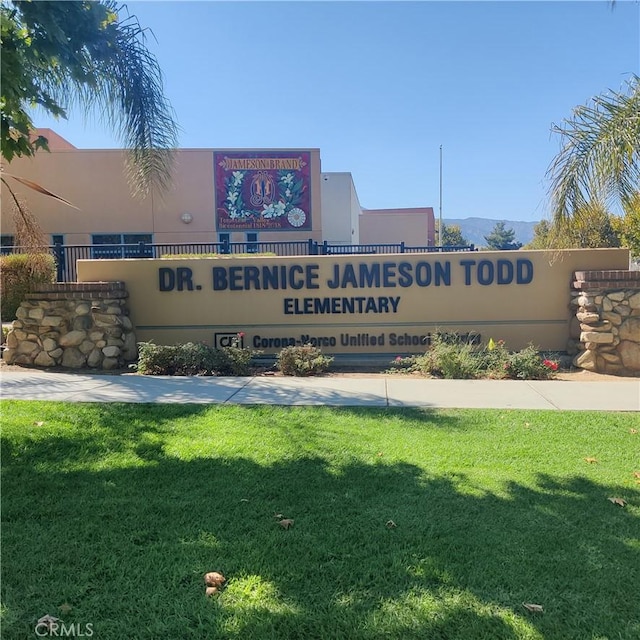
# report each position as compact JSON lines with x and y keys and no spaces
{"x":475,"y":229}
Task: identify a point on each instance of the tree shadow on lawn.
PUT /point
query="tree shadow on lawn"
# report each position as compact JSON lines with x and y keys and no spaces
{"x":377,"y":550}
{"x":97,"y":430}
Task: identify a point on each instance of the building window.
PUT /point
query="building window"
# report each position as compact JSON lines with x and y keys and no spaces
{"x":6,"y":244}
{"x":252,"y":242}
{"x":122,"y":245}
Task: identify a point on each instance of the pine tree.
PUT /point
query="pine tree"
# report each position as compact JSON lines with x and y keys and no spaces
{"x":452,"y":235}
{"x":501,"y":238}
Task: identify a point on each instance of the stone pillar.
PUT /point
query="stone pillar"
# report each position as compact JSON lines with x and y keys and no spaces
{"x":74,"y":325}
{"x":606,"y":329}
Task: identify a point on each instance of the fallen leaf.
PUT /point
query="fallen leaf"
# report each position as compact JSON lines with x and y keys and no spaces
{"x":65,"y":608}
{"x":244,"y":500}
{"x":214,"y":579}
{"x":618,"y":501}
{"x":633,"y":431}
{"x":211,"y":591}
{"x":534,"y":608}
{"x":379,"y":454}
{"x":391,"y":524}
{"x":278,"y":515}
{"x":636,"y":474}
{"x":591,"y":460}
{"x":287,"y":523}
{"x":39,"y":423}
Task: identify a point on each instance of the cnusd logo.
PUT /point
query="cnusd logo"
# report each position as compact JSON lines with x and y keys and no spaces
{"x":221,"y":340}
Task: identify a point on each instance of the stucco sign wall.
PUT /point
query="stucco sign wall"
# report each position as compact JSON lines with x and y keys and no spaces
{"x":384,"y":304}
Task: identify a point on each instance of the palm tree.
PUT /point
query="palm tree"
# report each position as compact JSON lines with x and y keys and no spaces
{"x":599,"y":162}
{"x":90,"y":54}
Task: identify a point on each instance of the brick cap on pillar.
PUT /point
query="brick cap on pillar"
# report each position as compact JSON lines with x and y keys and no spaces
{"x":78,"y":290}
{"x":607,"y":279}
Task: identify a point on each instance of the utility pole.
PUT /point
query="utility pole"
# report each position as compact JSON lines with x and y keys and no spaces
{"x":440,"y":217}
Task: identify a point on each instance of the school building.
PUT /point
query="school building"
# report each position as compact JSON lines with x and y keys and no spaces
{"x":217,"y":195}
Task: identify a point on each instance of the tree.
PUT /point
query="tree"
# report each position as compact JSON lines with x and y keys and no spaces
{"x":541,"y":236}
{"x":451,"y":235}
{"x":501,"y":238}
{"x":599,"y":162}
{"x":628,"y":227}
{"x":56,"y":55}
{"x":593,"y":228}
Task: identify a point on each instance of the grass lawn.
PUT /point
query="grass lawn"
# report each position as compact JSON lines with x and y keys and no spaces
{"x":407,"y":523}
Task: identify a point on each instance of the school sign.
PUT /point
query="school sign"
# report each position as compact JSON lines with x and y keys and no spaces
{"x":357,"y":305}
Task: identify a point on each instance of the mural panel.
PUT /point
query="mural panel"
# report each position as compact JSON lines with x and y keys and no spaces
{"x":262,"y":190}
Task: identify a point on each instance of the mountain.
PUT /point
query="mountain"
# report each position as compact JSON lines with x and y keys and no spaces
{"x":475,"y":229}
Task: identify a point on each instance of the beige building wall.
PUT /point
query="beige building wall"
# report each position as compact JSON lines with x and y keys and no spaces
{"x":55,"y":142}
{"x":416,"y":227}
{"x":95,"y":182}
{"x":340,"y":208}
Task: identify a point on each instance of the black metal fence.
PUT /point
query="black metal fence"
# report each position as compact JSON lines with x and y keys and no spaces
{"x":67,"y":255}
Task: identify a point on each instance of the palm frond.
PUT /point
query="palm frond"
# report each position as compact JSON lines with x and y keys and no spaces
{"x":135,"y":100}
{"x":600,"y":157}
{"x":106,"y":69}
{"x":39,"y":188}
{"x":29,"y":235}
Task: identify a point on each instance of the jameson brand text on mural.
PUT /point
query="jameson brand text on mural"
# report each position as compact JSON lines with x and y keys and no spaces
{"x":235,"y":164}
{"x":360,"y":278}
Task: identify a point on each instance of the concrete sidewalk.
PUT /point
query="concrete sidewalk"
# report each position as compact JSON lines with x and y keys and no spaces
{"x":377,"y":391}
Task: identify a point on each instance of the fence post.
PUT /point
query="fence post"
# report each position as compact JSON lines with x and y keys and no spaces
{"x":225,"y":246}
{"x":60,"y":261}
{"x":325,"y":248}
{"x":402,"y":247}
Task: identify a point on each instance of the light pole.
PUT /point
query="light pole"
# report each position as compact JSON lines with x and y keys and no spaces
{"x":440,"y":217}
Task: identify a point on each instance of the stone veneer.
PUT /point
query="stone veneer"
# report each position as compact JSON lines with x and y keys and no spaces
{"x":76,"y":325}
{"x":605,"y":333}
{"x":87,"y":325}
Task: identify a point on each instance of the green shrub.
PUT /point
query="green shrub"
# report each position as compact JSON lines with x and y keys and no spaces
{"x":494,"y":360}
{"x":156,"y":360}
{"x":451,"y":359}
{"x":407,"y":364}
{"x":528,"y":365}
{"x":21,"y":273}
{"x":305,"y":360}
{"x":194,"y":359}
{"x":236,"y":361}
{"x":447,"y":358}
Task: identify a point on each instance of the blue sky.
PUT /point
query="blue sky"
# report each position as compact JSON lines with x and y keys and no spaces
{"x":380,"y":86}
